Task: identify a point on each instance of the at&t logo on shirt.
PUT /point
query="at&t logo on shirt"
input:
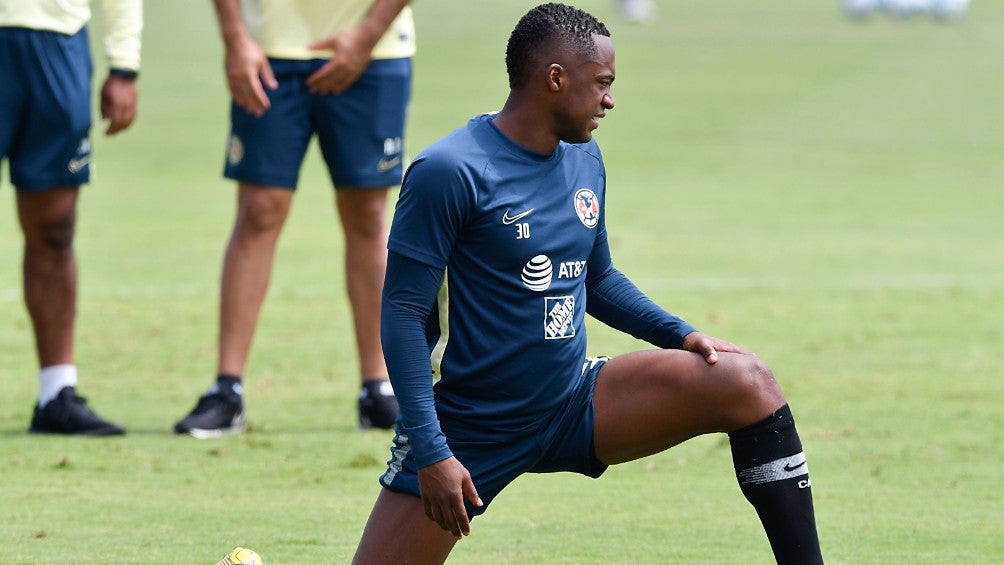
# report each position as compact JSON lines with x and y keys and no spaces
{"x":537,"y":273}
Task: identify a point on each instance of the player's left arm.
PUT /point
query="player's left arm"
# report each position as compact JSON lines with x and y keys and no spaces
{"x":612,"y":298}
{"x":352,"y":48}
{"x":124,"y":27}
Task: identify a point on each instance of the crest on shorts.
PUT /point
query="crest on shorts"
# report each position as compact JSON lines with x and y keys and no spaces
{"x":587,"y":207}
{"x":235,"y":150}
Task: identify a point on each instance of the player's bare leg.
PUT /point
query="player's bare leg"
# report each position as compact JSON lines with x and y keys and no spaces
{"x":49,"y":269}
{"x":363,"y":213}
{"x":648,"y":401}
{"x":247,"y":269}
{"x":48,"y":221}
{"x":398,"y":531}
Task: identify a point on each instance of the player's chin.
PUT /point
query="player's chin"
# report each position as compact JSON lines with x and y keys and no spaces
{"x":579,"y":137}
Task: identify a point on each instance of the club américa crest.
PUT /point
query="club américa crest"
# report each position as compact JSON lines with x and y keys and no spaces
{"x":587,"y":207}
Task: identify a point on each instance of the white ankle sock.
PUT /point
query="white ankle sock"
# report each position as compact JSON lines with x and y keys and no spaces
{"x":53,"y":379}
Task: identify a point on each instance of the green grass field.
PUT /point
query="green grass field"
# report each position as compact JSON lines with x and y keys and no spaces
{"x":829,"y":194}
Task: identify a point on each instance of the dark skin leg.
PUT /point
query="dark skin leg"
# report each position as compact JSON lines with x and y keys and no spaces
{"x":399,"y":532}
{"x":649,"y":401}
{"x":645,"y":402}
{"x":48,"y":221}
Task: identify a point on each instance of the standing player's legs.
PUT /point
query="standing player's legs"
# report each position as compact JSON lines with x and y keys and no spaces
{"x":360,"y":133}
{"x":46,"y":121}
{"x":648,"y":401}
{"x":364,"y":223}
{"x":49,"y":269}
{"x":398,"y":531}
{"x":363,"y":213}
{"x":46,"y":117}
{"x":264,"y":157}
{"x":247,"y":269}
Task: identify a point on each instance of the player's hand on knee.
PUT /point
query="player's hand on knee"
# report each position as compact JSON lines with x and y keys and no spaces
{"x":444,"y":486}
{"x":709,"y":347}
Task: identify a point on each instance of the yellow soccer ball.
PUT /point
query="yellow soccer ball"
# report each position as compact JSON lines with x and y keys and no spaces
{"x":241,"y":556}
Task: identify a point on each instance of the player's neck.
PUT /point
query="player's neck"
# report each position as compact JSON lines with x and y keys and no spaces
{"x":525,"y":127}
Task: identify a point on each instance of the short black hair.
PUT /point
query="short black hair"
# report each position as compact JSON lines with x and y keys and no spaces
{"x":545,"y":23}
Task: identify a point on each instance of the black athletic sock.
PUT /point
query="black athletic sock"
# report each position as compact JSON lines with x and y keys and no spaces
{"x":229,"y":385}
{"x":774,"y":477}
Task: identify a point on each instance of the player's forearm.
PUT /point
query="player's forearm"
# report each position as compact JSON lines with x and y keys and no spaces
{"x":409,"y":292}
{"x":231,"y":21}
{"x":381,"y":14}
{"x":411,"y":375}
{"x":614,"y":300}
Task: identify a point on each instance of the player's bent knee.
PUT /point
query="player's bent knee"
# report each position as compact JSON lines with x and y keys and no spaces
{"x":758,"y":385}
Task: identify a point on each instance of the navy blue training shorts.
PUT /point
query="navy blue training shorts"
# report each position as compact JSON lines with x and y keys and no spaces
{"x":360,"y":131}
{"x":564,"y":442}
{"x":45,"y":107}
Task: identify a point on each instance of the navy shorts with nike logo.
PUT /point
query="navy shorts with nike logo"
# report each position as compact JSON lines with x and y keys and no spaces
{"x":563,"y":442}
{"x":360,"y":131}
{"x":45,"y":107}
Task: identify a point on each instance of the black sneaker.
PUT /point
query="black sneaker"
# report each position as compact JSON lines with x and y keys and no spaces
{"x":377,"y":405}
{"x":68,"y":414}
{"x":215,"y":415}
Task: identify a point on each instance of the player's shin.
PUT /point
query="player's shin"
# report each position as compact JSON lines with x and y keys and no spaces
{"x":774,"y":477}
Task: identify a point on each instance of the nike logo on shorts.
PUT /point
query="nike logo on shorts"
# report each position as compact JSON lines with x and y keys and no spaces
{"x":77,"y":165}
{"x":384,"y":165}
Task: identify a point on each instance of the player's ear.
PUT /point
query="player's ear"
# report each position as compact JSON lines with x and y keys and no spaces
{"x":555,"y":74}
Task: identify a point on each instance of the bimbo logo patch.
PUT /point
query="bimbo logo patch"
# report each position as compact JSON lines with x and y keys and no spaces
{"x":559,"y":313}
{"x":587,"y":207}
{"x":537,"y":273}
